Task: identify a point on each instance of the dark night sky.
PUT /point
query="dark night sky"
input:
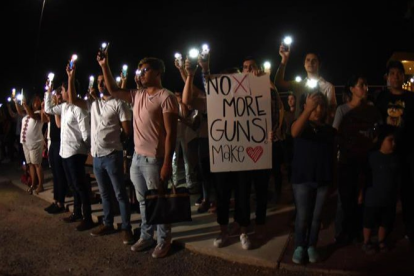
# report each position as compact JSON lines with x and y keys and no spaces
{"x":351,"y":36}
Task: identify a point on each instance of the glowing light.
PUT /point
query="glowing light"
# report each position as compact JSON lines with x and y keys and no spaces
{"x":124,"y":70}
{"x":19,"y":97}
{"x":9,"y":99}
{"x":118,"y":79}
{"x":103,"y":46}
{"x":91,"y":81}
{"x":72,"y":61}
{"x":287,"y":40}
{"x":51,"y":76}
{"x":412,"y":79}
{"x":205,"y":51}
{"x":194,"y":53}
{"x":138,"y":72}
{"x":13,"y":92}
{"x":101,"y":95}
{"x":298,"y":79}
{"x":267,"y":65}
{"x":179,"y":57}
{"x":311,"y":83}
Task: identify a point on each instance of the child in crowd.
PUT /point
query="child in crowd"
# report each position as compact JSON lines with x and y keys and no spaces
{"x":312,"y":172}
{"x":381,"y":194}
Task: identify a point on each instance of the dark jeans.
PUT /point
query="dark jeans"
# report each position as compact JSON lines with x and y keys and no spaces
{"x":75,"y":174}
{"x":407,"y":193}
{"x":349,"y":177}
{"x":60,"y":184}
{"x":225,"y":183}
{"x":277,"y":160}
{"x":204,"y":167}
{"x":245,"y":179}
{"x":309,"y":204}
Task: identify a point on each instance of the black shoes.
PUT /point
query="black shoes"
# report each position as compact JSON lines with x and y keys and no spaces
{"x":73,"y":218}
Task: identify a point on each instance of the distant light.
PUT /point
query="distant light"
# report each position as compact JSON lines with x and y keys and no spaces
{"x":46,"y":87}
{"x":74,"y":57}
{"x":298,"y":79}
{"x":104,"y":45}
{"x":178,"y":56}
{"x":193,"y":53}
{"x":288,"y":40}
{"x":118,"y":79}
{"x":19,"y":97}
{"x":404,"y":61}
{"x":85,"y":98}
{"x":311,"y":83}
{"x":9,"y":99}
{"x":91,"y":78}
{"x":1,"y":104}
{"x":267,"y":65}
{"x":101,"y":95}
{"x":205,"y":47}
{"x":79,"y":96}
{"x":13,"y":92}
{"x":412,"y":79}
{"x":51,"y":76}
{"x":409,"y":68}
{"x":125,"y":67}
{"x":138,"y":72}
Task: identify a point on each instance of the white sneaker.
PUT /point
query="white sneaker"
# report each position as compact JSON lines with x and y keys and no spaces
{"x":221,"y":241}
{"x":245,"y":241}
{"x":141,"y":245}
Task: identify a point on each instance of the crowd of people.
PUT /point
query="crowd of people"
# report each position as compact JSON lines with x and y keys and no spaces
{"x":361,"y":148}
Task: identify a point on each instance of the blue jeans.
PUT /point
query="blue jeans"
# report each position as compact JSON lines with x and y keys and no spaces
{"x":181,"y":142}
{"x":145,"y":175}
{"x":109,"y":174}
{"x":309,"y":199}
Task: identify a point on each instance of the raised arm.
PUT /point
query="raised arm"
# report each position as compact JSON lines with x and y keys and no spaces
{"x":72,"y":93}
{"x":19,"y":108}
{"x":48,"y":107}
{"x":280,"y":82}
{"x":113,"y":89}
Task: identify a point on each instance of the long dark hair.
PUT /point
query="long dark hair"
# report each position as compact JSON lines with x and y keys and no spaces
{"x":352,"y":81}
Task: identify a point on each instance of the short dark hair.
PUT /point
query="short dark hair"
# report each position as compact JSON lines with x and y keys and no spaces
{"x":352,"y":81}
{"x":155,"y":63}
{"x":231,"y":70}
{"x":395,"y":64}
{"x":249,"y":58}
{"x":318,"y":56}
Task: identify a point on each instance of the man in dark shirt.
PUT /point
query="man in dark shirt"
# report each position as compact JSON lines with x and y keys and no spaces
{"x":397,"y":108}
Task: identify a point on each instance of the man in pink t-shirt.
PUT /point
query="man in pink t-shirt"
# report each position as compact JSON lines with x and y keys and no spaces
{"x":155,"y":114}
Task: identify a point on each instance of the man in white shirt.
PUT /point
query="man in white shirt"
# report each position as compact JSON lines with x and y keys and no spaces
{"x":108,"y":116}
{"x":74,"y":149}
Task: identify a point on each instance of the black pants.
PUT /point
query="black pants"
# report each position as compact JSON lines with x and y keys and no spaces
{"x":260,"y":180}
{"x":60,"y":184}
{"x":225,"y":183}
{"x":349,"y":175}
{"x":75,"y":174}
{"x":407,"y":194}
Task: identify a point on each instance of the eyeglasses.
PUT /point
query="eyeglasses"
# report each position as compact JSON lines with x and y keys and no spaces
{"x":144,"y":70}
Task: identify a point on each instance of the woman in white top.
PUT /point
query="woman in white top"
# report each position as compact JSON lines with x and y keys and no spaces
{"x":31,"y":138}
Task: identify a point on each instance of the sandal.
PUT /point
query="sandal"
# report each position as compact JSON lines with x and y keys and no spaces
{"x":30,"y":189}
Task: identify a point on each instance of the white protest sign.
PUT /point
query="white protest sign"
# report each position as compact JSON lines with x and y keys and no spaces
{"x":239,"y":121}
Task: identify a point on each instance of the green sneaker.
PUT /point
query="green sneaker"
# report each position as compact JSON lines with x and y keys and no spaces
{"x":313,"y":254}
{"x":298,"y":255}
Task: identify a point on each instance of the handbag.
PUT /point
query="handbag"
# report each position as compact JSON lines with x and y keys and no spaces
{"x":172,"y":207}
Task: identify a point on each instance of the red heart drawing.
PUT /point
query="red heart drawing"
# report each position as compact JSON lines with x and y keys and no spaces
{"x":254,"y":153}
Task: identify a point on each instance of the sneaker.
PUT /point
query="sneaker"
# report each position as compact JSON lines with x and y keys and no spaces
{"x":368,"y":248}
{"x":127,"y":236}
{"x":204,"y":206}
{"x":299,"y":255}
{"x":198,"y":201}
{"x":85,"y":224}
{"x":56,"y":209}
{"x":221,"y":241}
{"x":313,"y":254}
{"x":50,"y":207}
{"x":103,"y":230}
{"x":161,"y":250}
{"x":245,"y":241}
{"x":73,"y":218}
{"x":142,"y":245}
